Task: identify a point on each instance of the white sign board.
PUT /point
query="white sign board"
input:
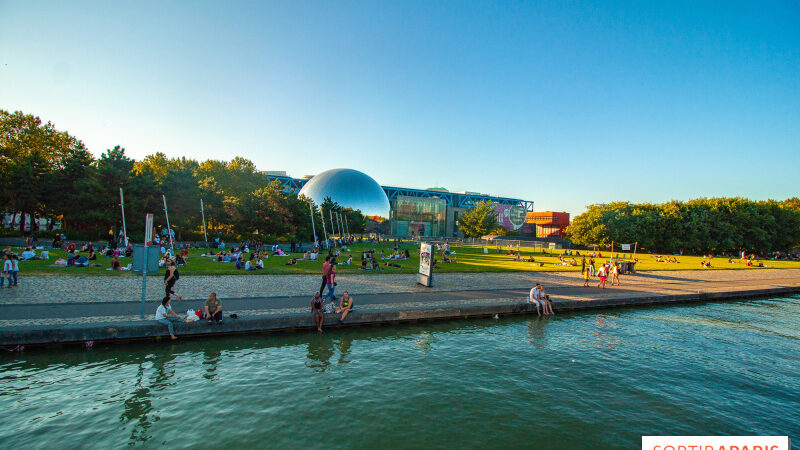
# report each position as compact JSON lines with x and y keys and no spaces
{"x":148,"y":229}
{"x":626,"y":247}
{"x":425,"y":259}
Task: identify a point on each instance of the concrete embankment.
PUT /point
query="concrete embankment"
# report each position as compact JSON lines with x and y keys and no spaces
{"x":412,"y":308}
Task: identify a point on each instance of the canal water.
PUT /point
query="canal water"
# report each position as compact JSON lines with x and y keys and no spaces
{"x":582,"y":380}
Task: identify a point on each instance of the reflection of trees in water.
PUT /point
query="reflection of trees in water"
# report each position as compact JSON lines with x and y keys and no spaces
{"x":138,"y":407}
{"x":211,"y":358}
{"x":344,"y":348}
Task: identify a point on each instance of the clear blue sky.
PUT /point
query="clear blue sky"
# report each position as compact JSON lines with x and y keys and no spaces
{"x":562,"y":103}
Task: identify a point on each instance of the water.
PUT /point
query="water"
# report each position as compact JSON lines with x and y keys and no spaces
{"x":584,"y":380}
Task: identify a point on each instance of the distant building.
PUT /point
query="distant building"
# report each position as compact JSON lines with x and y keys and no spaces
{"x":546,"y":224}
{"x":413,"y":212}
{"x":277,"y":173}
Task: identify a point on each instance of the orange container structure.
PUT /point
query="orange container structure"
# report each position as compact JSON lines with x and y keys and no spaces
{"x":548,"y":224}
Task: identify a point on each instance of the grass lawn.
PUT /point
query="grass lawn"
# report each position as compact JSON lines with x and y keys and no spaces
{"x":470,"y":259}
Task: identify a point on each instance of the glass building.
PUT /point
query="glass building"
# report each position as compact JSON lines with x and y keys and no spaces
{"x":417,"y":216}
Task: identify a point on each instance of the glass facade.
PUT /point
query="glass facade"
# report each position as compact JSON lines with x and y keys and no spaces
{"x":418,"y":216}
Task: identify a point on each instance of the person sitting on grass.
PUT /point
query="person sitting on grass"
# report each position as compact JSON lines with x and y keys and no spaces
{"x":27,"y":254}
{"x":115,"y":265}
{"x":349,"y":260}
{"x":213,"y":309}
{"x":391,"y":264}
{"x":345,"y":306}
{"x":363,"y":264}
{"x":166,"y":316}
{"x":290,"y":262}
{"x":248,"y":266}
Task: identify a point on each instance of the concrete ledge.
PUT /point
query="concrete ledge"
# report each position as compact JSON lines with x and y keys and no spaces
{"x":143,"y":330}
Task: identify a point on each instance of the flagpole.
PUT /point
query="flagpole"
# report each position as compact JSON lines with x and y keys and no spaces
{"x":169,"y":230}
{"x":634,"y":250}
{"x":324,"y":231}
{"x":124,"y":228}
{"x":313,"y":229}
{"x":203,"y":214}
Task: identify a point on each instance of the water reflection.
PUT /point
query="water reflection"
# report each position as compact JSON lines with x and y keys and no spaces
{"x":536,"y":332}
{"x":320,"y":351}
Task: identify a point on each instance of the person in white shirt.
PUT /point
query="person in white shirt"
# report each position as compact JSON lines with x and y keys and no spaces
{"x":534,"y":298}
{"x":165,"y":315}
{"x":248,"y":266}
{"x":28,"y":254}
{"x":260,"y":263}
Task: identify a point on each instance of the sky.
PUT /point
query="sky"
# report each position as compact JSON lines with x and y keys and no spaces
{"x":563,"y":103}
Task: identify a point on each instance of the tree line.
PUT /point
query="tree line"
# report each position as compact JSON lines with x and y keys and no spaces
{"x":706,"y":225}
{"x":49,"y":173}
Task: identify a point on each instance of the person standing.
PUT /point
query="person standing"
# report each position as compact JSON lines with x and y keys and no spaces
{"x":591,"y":267}
{"x":331,"y":280}
{"x":614,"y":274}
{"x":583,"y":264}
{"x":171,"y":276}
{"x":8,"y":266}
{"x":602,"y":274}
{"x":14,"y":269}
{"x":326,"y":267}
{"x":585,"y":277}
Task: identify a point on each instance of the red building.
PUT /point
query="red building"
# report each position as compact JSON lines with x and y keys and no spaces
{"x":546,"y":224}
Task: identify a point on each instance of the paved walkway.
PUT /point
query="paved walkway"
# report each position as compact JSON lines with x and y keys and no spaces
{"x":275,"y":295}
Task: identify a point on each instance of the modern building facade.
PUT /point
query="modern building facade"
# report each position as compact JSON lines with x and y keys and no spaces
{"x":428,"y":212}
{"x":546,"y":224}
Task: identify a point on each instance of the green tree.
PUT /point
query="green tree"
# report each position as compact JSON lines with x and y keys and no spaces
{"x":479,"y":220}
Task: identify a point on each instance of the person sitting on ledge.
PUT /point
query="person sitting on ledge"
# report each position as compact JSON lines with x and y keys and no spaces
{"x":345,"y":306}
{"x":165,"y":315}
{"x":213,"y":308}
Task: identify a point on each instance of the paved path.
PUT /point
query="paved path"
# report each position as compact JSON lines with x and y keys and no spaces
{"x":370,"y":293}
{"x":84,"y":289}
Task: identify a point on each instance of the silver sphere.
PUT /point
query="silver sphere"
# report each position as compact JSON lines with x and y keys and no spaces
{"x":350,"y":189}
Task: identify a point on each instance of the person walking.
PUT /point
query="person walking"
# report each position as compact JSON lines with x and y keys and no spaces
{"x":603,"y":275}
{"x":171,"y":276}
{"x":585,"y":277}
{"x":332,"y":281}
{"x":615,"y":274}
{"x":592,"y":270}
{"x":326,"y":267}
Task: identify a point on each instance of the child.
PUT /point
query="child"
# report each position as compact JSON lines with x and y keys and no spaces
{"x":586,"y":277}
{"x":8,"y":266}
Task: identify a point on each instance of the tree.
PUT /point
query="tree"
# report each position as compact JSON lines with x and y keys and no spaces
{"x":479,"y":220}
